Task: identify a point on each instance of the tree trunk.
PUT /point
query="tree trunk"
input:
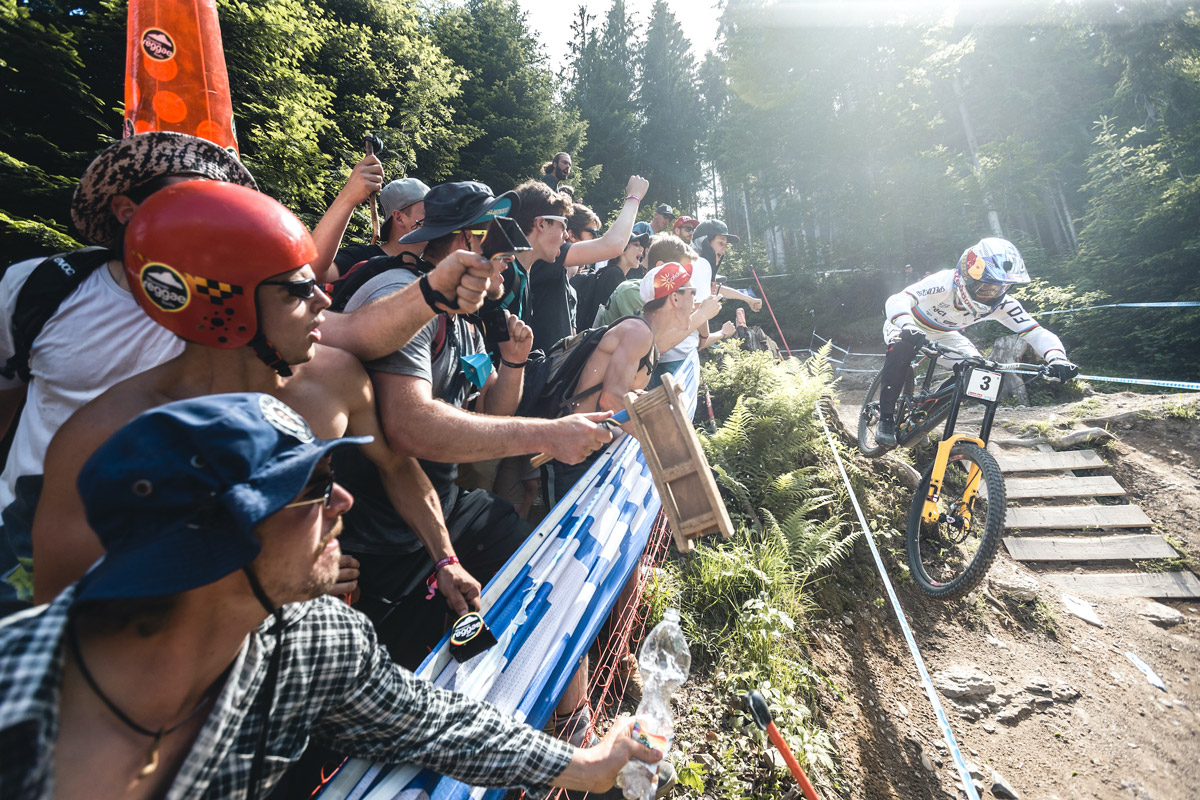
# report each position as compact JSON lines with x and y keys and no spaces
{"x":1008,"y":350}
{"x":993,"y":217}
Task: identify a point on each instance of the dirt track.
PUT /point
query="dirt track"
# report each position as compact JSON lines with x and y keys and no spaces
{"x":1050,"y":702}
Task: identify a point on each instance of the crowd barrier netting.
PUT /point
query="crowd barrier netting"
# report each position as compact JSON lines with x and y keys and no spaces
{"x":545,"y":607}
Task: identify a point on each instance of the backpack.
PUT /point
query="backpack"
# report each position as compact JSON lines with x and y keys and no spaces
{"x":584,"y":284}
{"x":550,"y":381}
{"x":51,"y":282}
{"x":342,"y":289}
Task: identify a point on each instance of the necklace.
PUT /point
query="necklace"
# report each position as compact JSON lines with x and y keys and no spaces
{"x":156,"y":736}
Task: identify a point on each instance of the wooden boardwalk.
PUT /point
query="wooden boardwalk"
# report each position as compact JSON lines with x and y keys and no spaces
{"x":1043,"y":532}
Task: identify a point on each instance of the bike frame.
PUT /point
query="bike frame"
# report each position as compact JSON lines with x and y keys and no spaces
{"x":941,"y":459}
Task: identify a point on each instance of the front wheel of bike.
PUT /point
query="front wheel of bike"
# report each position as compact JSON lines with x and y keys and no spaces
{"x":950,"y":556}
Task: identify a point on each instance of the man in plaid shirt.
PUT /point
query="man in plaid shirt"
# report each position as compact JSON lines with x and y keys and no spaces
{"x":199,"y":656}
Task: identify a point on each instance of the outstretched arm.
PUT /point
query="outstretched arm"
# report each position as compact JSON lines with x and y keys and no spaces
{"x":388,"y":324}
{"x":614,"y":240}
{"x":429,"y":428}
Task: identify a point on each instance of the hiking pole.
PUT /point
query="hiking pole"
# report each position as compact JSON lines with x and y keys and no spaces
{"x":762,"y":718}
{"x":620,"y":418}
{"x":373,"y":145}
{"x":772,"y":312}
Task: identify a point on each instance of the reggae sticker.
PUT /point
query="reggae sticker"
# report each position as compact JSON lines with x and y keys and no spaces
{"x":975,"y":265}
{"x":158,"y":44}
{"x":165,"y":287}
{"x":283,"y":418}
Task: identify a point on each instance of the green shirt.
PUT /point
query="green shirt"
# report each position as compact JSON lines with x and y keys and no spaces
{"x":626,"y":301}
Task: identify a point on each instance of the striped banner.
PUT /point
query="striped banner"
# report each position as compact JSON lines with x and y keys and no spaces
{"x":546,"y":607}
{"x":1178,"y":304}
{"x":1192,"y":386}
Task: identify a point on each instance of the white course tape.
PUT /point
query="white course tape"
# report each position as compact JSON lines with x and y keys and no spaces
{"x":963,"y":772}
{"x":1187,"y":385}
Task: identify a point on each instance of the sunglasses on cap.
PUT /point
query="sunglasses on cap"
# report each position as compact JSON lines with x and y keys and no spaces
{"x":315,"y":493}
{"x":304,"y":289}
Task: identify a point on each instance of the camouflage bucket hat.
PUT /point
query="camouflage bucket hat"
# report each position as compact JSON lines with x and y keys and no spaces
{"x":137,"y":160}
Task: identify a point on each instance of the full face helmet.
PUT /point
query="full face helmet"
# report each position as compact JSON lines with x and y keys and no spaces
{"x":196,"y":251}
{"x":985,"y":271}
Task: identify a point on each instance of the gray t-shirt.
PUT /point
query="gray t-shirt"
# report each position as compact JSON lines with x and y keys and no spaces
{"x":372,"y":524}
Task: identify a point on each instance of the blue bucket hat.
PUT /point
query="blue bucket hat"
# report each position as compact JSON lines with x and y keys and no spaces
{"x":175,"y":494}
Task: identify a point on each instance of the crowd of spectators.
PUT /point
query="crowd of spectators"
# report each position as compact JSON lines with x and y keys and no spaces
{"x":174,"y":546}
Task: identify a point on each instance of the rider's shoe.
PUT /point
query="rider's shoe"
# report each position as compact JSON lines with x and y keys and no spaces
{"x":885,"y":432}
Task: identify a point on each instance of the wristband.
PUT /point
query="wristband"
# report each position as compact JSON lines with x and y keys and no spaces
{"x":433,"y":296}
{"x":431,"y":581}
{"x":513,"y":364}
{"x":633,"y":197}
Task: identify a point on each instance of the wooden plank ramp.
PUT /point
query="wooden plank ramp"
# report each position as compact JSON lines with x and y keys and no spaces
{"x":1049,"y":462}
{"x":1060,"y":486}
{"x":1075,"y":517}
{"x":1088,"y":548}
{"x":1177,"y":585}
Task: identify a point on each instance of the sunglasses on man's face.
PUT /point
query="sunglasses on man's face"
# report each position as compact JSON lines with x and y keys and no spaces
{"x":318,"y":492}
{"x":304,"y":289}
{"x":687,"y":228}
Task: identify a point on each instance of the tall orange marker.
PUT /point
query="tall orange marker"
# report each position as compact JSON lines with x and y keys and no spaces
{"x":175,"y":78}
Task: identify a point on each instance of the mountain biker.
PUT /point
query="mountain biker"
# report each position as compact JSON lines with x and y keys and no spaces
{"x":938,"y":306}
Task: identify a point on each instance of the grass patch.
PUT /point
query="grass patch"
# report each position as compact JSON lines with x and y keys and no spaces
{"x":745,"y":602}
{"x":1087,"y":407}
{"x":1188,"y":411}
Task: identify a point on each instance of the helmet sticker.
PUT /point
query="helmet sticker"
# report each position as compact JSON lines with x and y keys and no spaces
{"x":158,"y":44}
{"x":975,"y":265}
{"x":280,"y":416}
{"x":165,"y":287}
{"x":216,"y":291}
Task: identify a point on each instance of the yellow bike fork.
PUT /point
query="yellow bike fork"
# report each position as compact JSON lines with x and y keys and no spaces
{"x":930,"y":511}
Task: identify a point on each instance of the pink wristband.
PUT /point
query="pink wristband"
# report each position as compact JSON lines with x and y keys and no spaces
{"x":633,"y":197}
{"x":431,"y":581}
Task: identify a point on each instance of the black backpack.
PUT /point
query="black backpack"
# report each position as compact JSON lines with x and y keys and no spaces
{"x":342,"y":289}
{"x":550,"y":379}
{"x":51,"y":282}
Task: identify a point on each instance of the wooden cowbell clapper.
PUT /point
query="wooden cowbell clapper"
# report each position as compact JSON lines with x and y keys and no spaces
{"x":677,"y":464}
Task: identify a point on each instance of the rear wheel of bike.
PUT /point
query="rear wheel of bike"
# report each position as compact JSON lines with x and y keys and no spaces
{"x":868,"y":416}
{"x":949,"y":557}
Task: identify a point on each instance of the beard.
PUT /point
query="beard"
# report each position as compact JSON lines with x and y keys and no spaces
{"x":561,"y":174}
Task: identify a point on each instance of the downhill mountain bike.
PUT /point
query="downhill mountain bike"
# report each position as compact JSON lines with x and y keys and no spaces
{"x":957,"y":516}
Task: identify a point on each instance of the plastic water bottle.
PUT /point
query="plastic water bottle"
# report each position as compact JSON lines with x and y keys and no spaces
{"x":664,"y":664}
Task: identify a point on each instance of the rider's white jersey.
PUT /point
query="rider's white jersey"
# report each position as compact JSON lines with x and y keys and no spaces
{"x":932,"y":306}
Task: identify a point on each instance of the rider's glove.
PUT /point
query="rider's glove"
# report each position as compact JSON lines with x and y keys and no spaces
{"x":1063,"y":370}
{"x":913,"y":336}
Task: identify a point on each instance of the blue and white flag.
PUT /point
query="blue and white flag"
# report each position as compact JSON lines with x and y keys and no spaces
{"x":545,"y":607}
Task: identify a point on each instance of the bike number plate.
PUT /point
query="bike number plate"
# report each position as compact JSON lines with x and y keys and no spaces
{"x":984,"y":385}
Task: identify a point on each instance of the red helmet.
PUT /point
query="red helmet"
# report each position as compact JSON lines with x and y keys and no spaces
{"x":196,"y":251}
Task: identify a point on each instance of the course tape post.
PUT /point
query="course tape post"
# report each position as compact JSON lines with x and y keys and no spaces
{"x":964,"y":772}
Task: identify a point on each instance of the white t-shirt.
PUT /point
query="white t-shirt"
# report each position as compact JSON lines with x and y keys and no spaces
{"x":702,"y":280}
{"x":99,"y":336}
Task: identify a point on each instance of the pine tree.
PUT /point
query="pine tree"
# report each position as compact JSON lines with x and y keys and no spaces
{"x":603,"y":91}
{"x":672,"y":129}
{"x":508,"y":95}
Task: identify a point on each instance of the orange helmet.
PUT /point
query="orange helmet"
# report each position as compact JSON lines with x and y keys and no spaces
{"x":196,"y":251}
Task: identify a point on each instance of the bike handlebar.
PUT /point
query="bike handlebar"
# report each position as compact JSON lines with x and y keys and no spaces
{"x":935,"y":348}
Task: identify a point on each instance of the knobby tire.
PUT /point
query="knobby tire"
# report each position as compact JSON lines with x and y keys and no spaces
{"x":940,"y":566}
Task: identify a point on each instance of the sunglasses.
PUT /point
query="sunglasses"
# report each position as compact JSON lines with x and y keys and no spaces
{"x":592,"y":231}
{"x":687,"y":228}
{"x":315,"y":493}
{"x":304,"y":289}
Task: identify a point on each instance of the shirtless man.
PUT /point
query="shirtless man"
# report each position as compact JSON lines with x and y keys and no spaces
{"x":101,"y":316}
{"x":240,"y":288}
